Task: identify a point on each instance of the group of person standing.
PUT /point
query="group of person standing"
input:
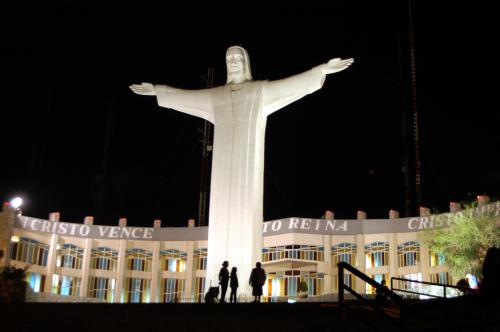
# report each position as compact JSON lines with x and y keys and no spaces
{"x":257,"y":280}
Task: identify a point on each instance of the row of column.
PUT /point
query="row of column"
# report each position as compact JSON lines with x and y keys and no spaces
{"x":393,"y":243}
{"x":121,"y":264}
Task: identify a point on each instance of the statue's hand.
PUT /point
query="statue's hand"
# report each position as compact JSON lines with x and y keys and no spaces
{"x":145,"y":89}
{"x":336,"y":65}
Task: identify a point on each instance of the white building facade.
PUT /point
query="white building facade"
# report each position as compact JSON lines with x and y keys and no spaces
{"x":160,"y":264}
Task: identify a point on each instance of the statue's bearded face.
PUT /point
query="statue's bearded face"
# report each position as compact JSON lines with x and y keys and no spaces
{"x":238,"y":65}
{"x":235,"y":61}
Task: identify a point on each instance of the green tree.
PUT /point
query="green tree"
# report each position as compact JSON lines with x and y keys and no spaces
{"x":465,"y":239}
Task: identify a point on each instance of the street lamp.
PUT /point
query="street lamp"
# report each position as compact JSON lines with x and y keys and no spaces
{"x":16,"y":202}
{"x":8,"y":238}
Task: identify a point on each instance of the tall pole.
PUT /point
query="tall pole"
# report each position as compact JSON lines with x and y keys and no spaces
{"x":206,"y":153}
{"x":418,"y":178}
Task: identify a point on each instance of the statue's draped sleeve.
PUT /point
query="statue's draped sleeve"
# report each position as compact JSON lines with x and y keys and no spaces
{"x":193,"y":102}
{"x":278,"y":94}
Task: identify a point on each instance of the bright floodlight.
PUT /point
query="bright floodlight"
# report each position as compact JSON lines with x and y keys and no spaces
{"x":16,"y":202}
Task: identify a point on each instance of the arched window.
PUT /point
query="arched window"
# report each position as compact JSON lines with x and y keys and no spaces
{"x":344,"y":252}
{"x":436,"y":259}
{"x":103,"y":258}
{"x":408,"y":253}
{"x":173,"y":290}
{"x":137,"y":290}
{"x":173,"y":260}
{"x":369,"y":289}
{"x":200,"y":259}
{"x":69,"y":256}
{"x":66,"y":285}
{"x":102,"y":288}
{"x":377,"y":254}
{"x":30,"y":251}
{"x":440,"y":278}
{"x":293,"y":251}
{"x":139,"y":259}
{"x":285,"y":284}
{"x":199,"y":289}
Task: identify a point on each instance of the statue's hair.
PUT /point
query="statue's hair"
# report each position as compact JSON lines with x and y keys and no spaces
{"x":246,"y":68}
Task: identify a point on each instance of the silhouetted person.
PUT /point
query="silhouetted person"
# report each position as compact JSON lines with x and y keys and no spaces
{"x":223,"y":281}
{"x":381,"y":297}
{"x":490,"y":284}
{"x":257,"y":280}
{"x":211,"y":295}
{"x":234,"y":285}
{"x":463,"y":285}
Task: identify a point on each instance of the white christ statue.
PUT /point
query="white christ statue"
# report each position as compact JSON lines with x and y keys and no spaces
{"x":238,"y":111}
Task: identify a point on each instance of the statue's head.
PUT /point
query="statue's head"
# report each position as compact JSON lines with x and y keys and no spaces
{"x":238,"y":65}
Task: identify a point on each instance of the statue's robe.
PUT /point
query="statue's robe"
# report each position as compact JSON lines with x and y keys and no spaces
{"x":239,"y":114}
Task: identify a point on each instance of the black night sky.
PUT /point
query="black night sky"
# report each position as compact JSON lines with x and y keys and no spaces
{"x":76,"y":140}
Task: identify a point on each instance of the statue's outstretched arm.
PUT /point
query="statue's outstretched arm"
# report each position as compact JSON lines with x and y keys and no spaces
{"x":145,"y":89}
{"x":336,"y":65}
{"x":193,"y":102}
{"x":280,"y":93}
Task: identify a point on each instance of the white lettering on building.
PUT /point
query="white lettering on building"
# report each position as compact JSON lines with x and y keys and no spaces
{"x":294,"y":223}
{"x":423,"y":223}
{"x":148,"y":233}
{"x":114,"y":232}
{"x":316,"y":226}
{"x":134,"y":235}
{"x":343,"y":226}
{"x":125,"y":232}
{"x":318,"y":222}
{"x":84,"y":230}
{"x":35,"y":228}
{"x":45,"y":226}
{"x":276,"y":225}
{"x":63,"y":228}
{"x":330,"y":224}
{"x":103,"y":230}
{"x":306,"y":224}
{"x":72,"y":229}
{"x":410,"y":225}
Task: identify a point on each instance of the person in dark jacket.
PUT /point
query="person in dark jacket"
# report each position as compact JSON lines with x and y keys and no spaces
{"x":211,"y":296}
{"x":490,"y":284}
{"x":257,"y":280}
{"x":223,"y":281}
{"x":463,"y":285}
{"x":234,"y":285}
{"x":381,"y":297}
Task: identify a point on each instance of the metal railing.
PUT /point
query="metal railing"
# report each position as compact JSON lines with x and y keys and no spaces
{"x":383,"y":290}
{"x":444,"y":286}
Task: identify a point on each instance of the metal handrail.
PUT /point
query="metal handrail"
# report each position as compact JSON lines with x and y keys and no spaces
{"x":462,"y":289}
{"x":380,"y":289}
